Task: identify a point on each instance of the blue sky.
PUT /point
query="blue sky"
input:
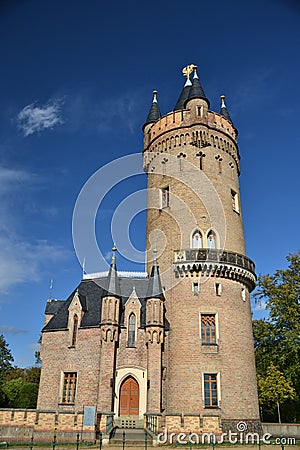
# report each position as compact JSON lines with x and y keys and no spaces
{"x":76,"y":85}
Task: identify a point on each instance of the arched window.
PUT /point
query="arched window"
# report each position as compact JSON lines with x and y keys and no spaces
{"x":75,"y":329}
{"x":131,"y":330}
{"x":211,"y":239}
{"x":197,"y":239}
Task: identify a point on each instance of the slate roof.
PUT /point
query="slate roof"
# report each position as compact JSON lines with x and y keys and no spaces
{"x":91,"y":292}
{"x":184,"y":95}
{"x":112,"y":284}
{"x":224,"y":111}
{"x":154,"y":286}
{"x":154,"y":112}
{"x":196,"y":90}
{"x":53,"y":306}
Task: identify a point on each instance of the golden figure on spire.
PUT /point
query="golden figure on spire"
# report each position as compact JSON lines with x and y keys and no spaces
{"x":188,"y":70}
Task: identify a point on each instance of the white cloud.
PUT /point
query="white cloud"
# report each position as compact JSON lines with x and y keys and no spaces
{"x":7,"y":329}
{"x":33,"y":118}
{"x":21,"y":259}
{"x":261,"y":305}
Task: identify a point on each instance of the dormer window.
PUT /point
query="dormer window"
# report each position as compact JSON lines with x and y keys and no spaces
{"x":131,"y":330}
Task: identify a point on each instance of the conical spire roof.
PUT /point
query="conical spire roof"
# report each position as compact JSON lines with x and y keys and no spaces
{"x":154,"y":287}
{"x":154,"y":112}
{"x":224,"y":111}
{"x":196,"y":90}
{"x":183,"y":96}
{"x":112,"y":284}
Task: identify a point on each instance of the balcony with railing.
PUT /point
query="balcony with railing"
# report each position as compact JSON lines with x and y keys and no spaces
{"x":215,"y":261}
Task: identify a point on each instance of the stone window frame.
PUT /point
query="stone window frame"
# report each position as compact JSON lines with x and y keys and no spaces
{"x":165,"y":197}
{"x":208,"y":329}
{"x":131,"y":333}
{"x":69,"y":386}
{"x":75,"y":330}
{"x":235,"y":201}
{"x":212,"y":377}
{"x":195,"y":230}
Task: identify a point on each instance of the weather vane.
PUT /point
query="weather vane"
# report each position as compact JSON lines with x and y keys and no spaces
{"x":188,"y":70}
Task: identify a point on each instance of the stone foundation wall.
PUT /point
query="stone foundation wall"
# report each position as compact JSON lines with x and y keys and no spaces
{"x":22,"y":425}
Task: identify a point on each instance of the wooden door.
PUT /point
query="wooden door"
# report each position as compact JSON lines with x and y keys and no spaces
{"x":129,"y":397}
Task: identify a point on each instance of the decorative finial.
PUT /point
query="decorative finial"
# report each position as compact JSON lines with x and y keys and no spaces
{"x":50,"y":289}
{"x":154,"y":255}
{"x":222,"y":97}
{"x":114,"y":249}
{"x":188,"y":70}
{"x":154,"y":97}
{"x":195,"y":71}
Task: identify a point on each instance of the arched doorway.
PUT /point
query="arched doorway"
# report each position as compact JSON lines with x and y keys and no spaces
{"x":129,"y":397}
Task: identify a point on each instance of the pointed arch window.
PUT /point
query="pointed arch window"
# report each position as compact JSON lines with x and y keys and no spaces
{"x":131,"y":330}
{"x":211,"y":239}
{"x":197,"y":239}
{"x":75,"y":330}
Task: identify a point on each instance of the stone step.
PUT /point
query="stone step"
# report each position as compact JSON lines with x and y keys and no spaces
{"x":132,"y":437}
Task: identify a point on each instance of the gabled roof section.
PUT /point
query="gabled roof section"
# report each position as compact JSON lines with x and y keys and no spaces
{"x":154,"y":287}
{"x":82,"y":300}
{"x":196,"y":90}
{"x":224,"y":111}
{"x":183,"y":96}
{"x":154,"y":113}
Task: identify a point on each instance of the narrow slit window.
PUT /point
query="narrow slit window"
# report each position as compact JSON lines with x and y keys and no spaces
{"x":131,"y":330}
{"x":196,"y":288}
{"x":165,"y":197}
{"x":235,"y":201}
{"x":218,"y":288}
{"x":75,"y":330}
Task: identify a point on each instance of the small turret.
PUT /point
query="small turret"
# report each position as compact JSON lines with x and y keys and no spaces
{"x":111,"y":303}
{"x":154,"y":287}
{"x":154,"y":112}
{"x":112,"y":285}
{"x":196,"y":90}
{"x":224,"y":111}
{"x":183,"y":96}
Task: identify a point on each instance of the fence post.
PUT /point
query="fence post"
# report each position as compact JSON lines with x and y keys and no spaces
{"x":124,"y":439}
{"x":213,"y":441}
{"x":31,"y":442}
{"x":100,"y":440}
{"x":54,"y":441}
{"x":146,"y":440}
{"x":77,"y":441}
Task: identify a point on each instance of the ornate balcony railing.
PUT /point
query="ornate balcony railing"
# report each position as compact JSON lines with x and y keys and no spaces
{"x":216,"y":256}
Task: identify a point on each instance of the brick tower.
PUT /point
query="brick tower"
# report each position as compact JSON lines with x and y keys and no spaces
{"x":194,"y":221}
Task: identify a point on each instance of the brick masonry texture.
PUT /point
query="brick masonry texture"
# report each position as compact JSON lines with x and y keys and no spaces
{"x":169,"y":369}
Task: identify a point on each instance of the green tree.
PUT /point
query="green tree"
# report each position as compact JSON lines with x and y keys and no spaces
{"x":274,"y":388}
{"x":277,"y":338}
{"x":20,"y":393}
{"x":6,"y":360}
